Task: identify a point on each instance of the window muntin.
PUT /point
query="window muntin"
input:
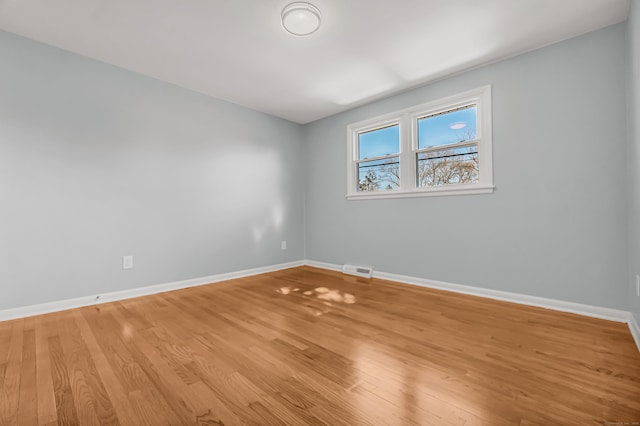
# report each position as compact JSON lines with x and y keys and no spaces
{"x":444,"y":148}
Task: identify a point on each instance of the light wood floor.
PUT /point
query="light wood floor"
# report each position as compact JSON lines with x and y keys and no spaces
{"x":307,"y":346}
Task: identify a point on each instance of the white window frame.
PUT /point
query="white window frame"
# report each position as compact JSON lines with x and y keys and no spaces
{"x":408,"y":120}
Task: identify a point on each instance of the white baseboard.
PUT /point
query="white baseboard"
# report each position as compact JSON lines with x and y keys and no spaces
{"x":523,"y":299}
{"x":634,"y":328}
{"x":61,"y":305}
{"x":557,"y":305}
{"x":322,"y":265}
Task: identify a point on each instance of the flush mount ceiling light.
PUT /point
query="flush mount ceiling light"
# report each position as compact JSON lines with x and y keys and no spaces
{"x":301,"y":18}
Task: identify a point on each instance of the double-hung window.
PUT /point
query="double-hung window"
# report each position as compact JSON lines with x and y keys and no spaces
{"x":439,"y":148}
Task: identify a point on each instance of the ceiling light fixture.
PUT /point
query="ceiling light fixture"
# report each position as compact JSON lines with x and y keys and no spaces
{"x":301,"y":18}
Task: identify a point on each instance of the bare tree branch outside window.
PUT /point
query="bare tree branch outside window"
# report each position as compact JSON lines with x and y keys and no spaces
{"x":435,"y":168}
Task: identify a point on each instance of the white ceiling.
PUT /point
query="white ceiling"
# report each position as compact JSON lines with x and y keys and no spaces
{"x":365,"y":49}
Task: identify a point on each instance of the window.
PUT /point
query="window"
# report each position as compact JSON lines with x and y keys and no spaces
{"x":438,"y":148}
{"x":379,"y":159}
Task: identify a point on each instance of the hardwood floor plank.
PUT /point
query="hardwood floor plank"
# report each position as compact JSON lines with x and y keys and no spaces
{"x":10,"y":391}
{"x":65,"y":405}
{"x":160,"y":367}
{"x":91,"y":399}
{"x":28,"y":399}
{"x":309,"y":346}
{"x":46,"y":397}
{"x":112,"y":386}
{"x":147,"y":401}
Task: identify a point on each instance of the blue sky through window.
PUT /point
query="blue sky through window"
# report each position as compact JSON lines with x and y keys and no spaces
{"x":447,"y":128}
{"x":379,"y":142}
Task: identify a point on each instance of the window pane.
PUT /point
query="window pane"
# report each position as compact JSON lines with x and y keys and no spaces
{"x":379,"y":142}
{"x":447,"y":128}
{"x":448,"y":166}
{"x":379,"y":175}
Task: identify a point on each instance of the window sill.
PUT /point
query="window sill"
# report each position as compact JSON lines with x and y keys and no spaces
{"x":431,"y":192}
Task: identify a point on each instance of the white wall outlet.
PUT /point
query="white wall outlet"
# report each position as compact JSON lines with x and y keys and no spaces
{"x":638,"y":285}
{"x":283,"y":245}
{"x":127,"y":262}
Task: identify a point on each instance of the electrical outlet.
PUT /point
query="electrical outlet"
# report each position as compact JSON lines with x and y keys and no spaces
{"x":127,"y":262}
{"x":284,"y":245}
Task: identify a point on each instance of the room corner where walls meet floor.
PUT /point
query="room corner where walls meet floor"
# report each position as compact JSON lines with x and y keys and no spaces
{"x":557,"y":305}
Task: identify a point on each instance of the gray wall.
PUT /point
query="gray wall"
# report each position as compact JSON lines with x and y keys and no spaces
{"x":633,"y":28}
{"x":97,"y":162}
{"x":556,"y":224}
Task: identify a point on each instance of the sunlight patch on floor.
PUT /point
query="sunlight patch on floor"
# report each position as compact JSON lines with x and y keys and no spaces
{"x":322,"y":293}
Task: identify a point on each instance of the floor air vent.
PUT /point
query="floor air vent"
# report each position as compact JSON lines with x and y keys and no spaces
{"x":360,"y":271}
